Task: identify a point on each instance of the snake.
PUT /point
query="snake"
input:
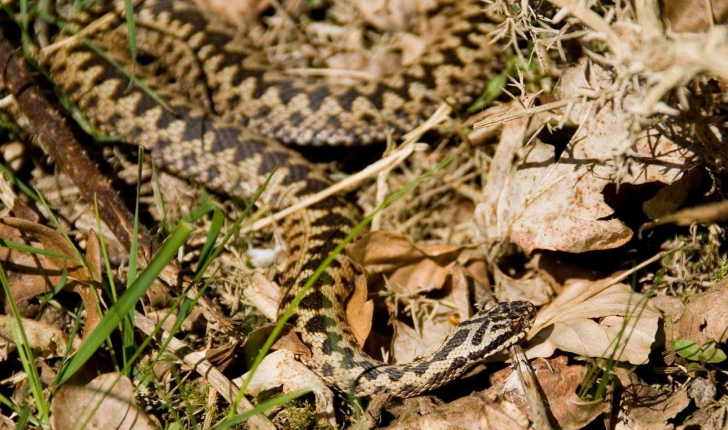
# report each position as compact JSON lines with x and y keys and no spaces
{"x":211,"y":109}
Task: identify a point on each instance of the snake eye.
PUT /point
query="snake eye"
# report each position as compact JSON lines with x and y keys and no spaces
{"x":516,"y":325}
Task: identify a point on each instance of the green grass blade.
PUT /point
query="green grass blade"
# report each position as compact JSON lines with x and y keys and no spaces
{"x":33,"y":250}
{"x":279,"y":400}
{"x":23,"y":418}
{"x":126,"y":303}
{"x":215,"y":226}
{"x":199,"y":212}
{"x":131,"y":28}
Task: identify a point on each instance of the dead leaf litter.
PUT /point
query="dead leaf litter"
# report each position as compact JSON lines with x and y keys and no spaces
{"x":590,"y":184}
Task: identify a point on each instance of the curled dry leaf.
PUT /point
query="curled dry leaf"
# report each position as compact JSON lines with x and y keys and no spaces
{"x":556,"y":203}
{"x":293,"y":344}
{"x":411,"y":268}
{"x":32,"y":274}
{"x":560,"y":383}
{"x":704,"y":317}
{"x":281,"y":370}
{"x":596,"y":319}
{"x":475,"y":411}
{"x":47,"y":339}
{"x":29,"y":274}
{"x":95,"y":263}
{"x":647,"y":408}
{"x":107,"y":402}
{"x":360,"y":311}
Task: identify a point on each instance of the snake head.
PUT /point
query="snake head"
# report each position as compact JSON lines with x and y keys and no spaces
{"x":521,"y":315}
{"x":492,"y":330}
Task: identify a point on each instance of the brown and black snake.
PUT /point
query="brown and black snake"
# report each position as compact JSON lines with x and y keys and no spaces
{"x":219,"y":116}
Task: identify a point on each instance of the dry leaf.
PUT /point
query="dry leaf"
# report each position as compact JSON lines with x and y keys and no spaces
{"x":408,"y":345}
{"x":561,"y":383}
{"x":670,"y":198}
{"x":290,"y":342}
{"x":704,"y":317}
{"x":281,"y":370}
{"x":94,"y":260}
{"x":532,"y":287}
{"x":48,"y":339}
{"x":702,"y":391}
{"x":624,"y":317}
{"x":360,"y":311}
{"x":235,"y":11}
{"x":693,"y":15}
{"x":646,"y":408}
{"x":475,"y":411}
{"x":221,"y":357}
{"x":29,"y":275}
{"x":410,"y":268}
{"x":104,"y":403}
{"x":543,"y":202}
{"x":194,"y":322}
{"x":713,"y":418}
{"x":459,"y":295}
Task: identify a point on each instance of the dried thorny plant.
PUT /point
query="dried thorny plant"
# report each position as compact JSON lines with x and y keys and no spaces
{"x":654,"y":72}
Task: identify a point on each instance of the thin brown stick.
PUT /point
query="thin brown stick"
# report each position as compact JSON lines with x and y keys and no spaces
{"x":52,"y":132}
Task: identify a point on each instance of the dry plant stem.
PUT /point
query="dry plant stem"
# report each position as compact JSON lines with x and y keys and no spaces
{"x":539,"y":416}
{"x":197,"y":361}
{"x":503,"y":118}
{"x":211,"y":402}
{"x":396,"y":158}
{"x":591,"y":19}
{"x":648,"y":17}
{"x":87,"y":30}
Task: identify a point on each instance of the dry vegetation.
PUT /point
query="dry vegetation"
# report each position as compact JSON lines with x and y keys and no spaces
{"x":591,"y":185}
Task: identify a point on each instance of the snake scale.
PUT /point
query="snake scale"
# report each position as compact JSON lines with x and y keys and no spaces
{"x":219,"y":118}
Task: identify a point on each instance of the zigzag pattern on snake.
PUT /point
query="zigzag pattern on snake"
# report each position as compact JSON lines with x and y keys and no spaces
{"x":227,"y":112}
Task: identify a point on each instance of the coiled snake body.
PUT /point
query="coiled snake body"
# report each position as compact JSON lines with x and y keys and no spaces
{"x":218,"y":117}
